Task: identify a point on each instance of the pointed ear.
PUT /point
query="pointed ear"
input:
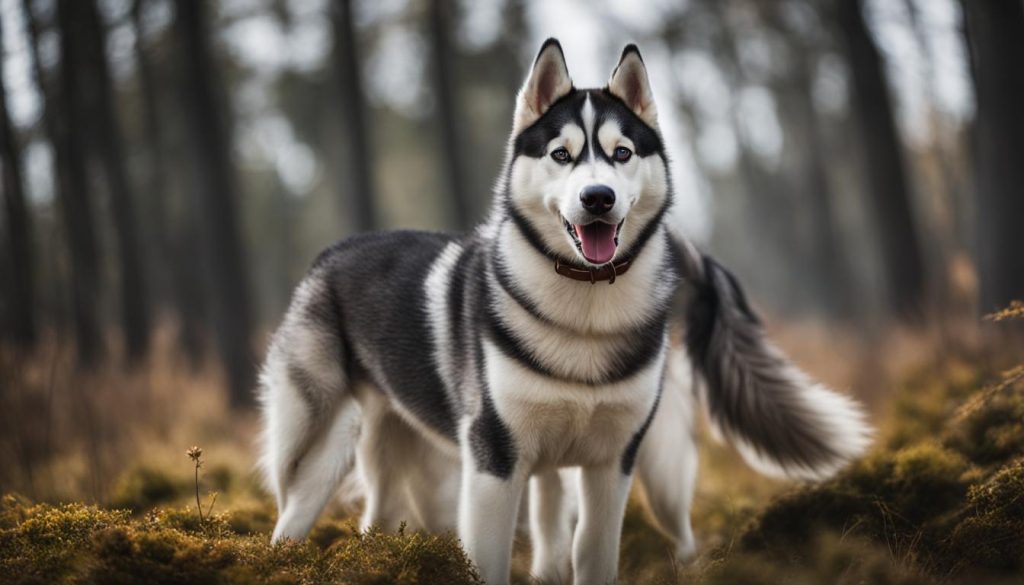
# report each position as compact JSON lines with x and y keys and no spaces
{"x":547,"y":83}
{"x":629,"y":83}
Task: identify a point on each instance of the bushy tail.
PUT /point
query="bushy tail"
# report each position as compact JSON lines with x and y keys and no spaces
{"x":781,"y":421}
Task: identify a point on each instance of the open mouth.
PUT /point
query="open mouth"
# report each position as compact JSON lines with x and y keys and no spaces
{"x":596,"y":241}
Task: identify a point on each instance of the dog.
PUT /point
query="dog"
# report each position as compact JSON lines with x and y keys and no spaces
{"x":454,"y":373}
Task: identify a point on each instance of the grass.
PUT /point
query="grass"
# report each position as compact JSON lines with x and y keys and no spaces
{"x":940,"y":499}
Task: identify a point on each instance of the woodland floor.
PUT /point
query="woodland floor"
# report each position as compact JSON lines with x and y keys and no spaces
{"x":940,"y":499}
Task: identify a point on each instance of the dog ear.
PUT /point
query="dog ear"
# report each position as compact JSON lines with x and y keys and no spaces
{"x":547,"y":82}
{"x":629,"y":83}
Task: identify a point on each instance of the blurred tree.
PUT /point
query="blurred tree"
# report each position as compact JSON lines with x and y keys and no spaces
{"x":152,"y":140}
{"x":514,"y":30}
{"x":951,"y":190}
{"x":826,"y":255}
{"x":20,"y":285}
{"x":440,"y":27}
{"x":105,"y":137}
{"x":217,"y":195}
{"x":887,"y":183}
{"x":770,"y":208}
{"x":176,"y":271}
{"x":353,"y":109}
{"x":61,"y":114}
{"x":995,"y":34}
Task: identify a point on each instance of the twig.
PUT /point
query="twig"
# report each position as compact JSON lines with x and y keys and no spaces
{"x":212,"y":502}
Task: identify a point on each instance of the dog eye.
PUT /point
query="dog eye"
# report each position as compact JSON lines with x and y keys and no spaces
{"x":561,"y":155}
{"x":622,"y":154}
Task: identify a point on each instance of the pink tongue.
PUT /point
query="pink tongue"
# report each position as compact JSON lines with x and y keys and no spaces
{"x":598,"y":241}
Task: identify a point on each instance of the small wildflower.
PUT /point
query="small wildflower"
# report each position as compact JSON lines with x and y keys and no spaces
{"x":195,"y":453}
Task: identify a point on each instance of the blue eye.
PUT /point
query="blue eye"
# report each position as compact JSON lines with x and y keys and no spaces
{"x":622,"y":154}
{"x":561,"y":155}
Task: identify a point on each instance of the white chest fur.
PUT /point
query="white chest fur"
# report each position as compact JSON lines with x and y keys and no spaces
{"x":560,"y":424}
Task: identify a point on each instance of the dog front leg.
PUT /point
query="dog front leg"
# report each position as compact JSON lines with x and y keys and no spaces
{"x":550,"y":528}
{"x":488,"y":508}
{"x":603,"y":494}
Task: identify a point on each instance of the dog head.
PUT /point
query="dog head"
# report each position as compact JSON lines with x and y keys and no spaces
{"x":588,"y":172}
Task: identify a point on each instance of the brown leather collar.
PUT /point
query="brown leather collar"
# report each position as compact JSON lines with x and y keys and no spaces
{"x":607,"y":272}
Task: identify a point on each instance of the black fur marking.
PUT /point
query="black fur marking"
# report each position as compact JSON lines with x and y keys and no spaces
{"x":629,"y":455}
{"x":378,"y":281}
{"x":737,"y":292}
{"x":508,"y":344}
{"x":521,"y":298}
{"x":456,"y":316}
{"x":534,"y":139}
{"x":700,"y":321}
{"x":647,"y":232}
{"x":531,"y":234}
{"x":322,"y":314}
{"x":647,"y":341}
{"x":646,"y":140}
{"x":702,"y":315}
{"x":316,"y":397}
{"x":643,"y":346}
{"x":551,"y":41}
{"x":630,"y":48}
{"x":490,"y":441}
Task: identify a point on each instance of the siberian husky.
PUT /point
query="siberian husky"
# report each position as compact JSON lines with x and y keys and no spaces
{"x":453,"y":372}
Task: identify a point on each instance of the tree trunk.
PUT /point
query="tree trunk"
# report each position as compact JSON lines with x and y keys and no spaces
{"x":20,"y":290}
{"x":828,"y":255}
{"x":363,"y":194}
{"x":768,"y":209}
{"x":106,"y":138}
{"x":440,"y":20}
{"x":995,"y":33}
{"x":180,"y":275}
{"x":886,"y":178}
{"x":62,"y":114}
{"x":217,"y":196}
{"x":156,"y":176}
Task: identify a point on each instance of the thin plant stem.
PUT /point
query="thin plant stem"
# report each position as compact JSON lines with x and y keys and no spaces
{"x":198,"y":505}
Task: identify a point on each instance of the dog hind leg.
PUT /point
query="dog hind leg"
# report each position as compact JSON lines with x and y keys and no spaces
{"x":311,"y":419}
{"x":318,"y":474}
{"x":433,"y":486}
{"x":667,"y":461}
{"x":385,"y":457}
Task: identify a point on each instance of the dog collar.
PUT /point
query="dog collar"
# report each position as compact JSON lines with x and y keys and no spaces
{"x":607,"y":272}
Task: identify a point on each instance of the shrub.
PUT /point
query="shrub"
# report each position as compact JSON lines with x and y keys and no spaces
{"x":991,"y":531}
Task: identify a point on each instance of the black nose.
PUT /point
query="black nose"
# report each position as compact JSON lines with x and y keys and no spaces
{"x":597,"y":199}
